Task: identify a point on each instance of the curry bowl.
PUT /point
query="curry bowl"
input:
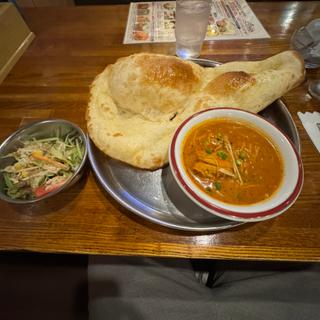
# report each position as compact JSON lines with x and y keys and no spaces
{"x":236,"y":165}
{"x":40,"y":160}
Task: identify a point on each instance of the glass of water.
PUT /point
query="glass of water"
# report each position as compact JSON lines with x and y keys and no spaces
{"x":192,"y":18}
{"x":306,"y":41}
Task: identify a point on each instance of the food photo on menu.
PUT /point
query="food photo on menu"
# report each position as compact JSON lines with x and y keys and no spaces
{"x":228,"y":20}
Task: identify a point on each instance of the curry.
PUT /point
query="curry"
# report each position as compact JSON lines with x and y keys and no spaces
{"x":232,"y":161}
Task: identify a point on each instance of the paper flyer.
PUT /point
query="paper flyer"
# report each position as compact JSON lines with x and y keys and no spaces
{"x":150,"y":22}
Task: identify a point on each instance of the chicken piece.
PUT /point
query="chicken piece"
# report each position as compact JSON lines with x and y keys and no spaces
{"x":205,"y":170}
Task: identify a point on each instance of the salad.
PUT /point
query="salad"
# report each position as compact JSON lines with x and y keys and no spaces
{"x":42,"y":166}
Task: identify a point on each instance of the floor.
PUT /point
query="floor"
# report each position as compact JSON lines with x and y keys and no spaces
{"x":43,"y":286}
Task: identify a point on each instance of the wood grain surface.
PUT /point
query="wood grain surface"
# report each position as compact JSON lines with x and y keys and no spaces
{"x":51,"y":80}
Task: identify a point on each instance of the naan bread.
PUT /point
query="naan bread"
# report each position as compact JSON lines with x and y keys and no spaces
{"x":137,"y":103}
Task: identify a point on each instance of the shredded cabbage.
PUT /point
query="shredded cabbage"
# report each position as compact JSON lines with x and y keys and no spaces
{"x":42,"y":165}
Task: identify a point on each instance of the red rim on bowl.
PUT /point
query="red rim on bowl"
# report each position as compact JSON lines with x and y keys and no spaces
{"x":226,"y":213}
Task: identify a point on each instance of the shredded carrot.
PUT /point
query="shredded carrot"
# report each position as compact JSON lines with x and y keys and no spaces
{"x":39,"y":156}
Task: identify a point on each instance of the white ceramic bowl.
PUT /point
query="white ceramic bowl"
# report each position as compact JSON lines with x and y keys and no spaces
{"x":279,"y":202}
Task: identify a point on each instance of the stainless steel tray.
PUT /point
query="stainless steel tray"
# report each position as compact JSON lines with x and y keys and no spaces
{"x":155,"y":196}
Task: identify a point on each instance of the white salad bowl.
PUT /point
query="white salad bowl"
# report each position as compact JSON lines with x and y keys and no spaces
{"x":280,"y":201}
{"x":40,"y":130}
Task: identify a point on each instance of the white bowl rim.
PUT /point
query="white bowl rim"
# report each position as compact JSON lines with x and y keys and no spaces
{"x":212,"y":206}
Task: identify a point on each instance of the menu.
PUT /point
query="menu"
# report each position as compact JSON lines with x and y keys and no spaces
{"x":155,"y":21}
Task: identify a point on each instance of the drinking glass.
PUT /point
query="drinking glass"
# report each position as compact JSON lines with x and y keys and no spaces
{"x":306,"y":41}
{"x":314,"y":89}
{"x":192,"y":18}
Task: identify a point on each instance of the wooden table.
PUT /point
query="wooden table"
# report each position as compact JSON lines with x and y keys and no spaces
{"x":51,"y":80}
